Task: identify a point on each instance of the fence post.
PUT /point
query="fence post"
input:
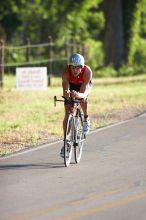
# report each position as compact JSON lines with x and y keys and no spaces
{"x":1,"y":62}
{"x":28,"y":50}
{"x":50,"y":60}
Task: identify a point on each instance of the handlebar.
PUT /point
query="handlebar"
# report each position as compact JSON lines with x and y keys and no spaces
{"x":68,"y":101}
{"x":57,"y":100}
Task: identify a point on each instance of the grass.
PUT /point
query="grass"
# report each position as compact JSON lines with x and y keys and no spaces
{"x":29,"y":118}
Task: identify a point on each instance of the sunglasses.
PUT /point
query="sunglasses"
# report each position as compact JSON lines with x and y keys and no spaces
{"x":75,"y":67}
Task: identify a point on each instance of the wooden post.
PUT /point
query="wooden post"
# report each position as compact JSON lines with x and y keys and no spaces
{"x":28,"y":50}
{"x":50,"y":60}
{"x":1,"y":62}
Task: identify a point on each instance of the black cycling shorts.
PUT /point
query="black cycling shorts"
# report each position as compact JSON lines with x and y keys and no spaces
{"x":75,"y":87}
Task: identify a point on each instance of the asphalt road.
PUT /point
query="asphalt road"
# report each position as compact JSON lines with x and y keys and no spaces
{"x":108,"y":184}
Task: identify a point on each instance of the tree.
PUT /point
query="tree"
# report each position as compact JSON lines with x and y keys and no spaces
{"x":118,"y":26}
{"x":10,"y":18}
{"x":113,"y":40}
{"x":122,"y":30}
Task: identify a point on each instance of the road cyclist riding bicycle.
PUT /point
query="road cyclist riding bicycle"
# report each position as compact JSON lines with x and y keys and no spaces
{"x":76,"y":83}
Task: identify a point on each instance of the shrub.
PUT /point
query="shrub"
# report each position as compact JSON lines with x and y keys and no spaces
{"x":106,"y":72}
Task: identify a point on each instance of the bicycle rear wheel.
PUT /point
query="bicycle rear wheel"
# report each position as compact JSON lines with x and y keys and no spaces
{"x":68,"y":141}
{"x":79,"y":137}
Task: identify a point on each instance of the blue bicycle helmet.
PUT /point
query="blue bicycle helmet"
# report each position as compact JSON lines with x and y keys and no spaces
{"x":76,"y":59}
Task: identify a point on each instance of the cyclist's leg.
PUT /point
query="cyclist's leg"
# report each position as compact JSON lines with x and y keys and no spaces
{"x":86,"y":120}
{"x":84,"y":106}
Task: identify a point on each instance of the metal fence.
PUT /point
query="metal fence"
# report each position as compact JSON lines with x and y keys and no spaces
{"x":50,"y":54}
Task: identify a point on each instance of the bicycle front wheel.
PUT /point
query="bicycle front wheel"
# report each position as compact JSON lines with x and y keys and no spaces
{"x":79,"y":137}
{"x":68,"y":141}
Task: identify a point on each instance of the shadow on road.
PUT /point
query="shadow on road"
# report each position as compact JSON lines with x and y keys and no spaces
{"x":31,"y":166}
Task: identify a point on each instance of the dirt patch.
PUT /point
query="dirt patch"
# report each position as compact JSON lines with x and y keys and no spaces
{"x":124,"y":114}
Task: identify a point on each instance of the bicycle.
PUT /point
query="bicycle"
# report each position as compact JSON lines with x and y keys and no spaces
{"x":73,"y":135}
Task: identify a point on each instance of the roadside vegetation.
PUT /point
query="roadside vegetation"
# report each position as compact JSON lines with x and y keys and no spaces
{"x":30,"y":118}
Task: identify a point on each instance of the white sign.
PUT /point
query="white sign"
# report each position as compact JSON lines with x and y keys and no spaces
{"x":31,"y":78}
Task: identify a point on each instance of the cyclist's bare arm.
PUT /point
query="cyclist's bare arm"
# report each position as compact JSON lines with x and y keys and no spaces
{"x":65,"y":83}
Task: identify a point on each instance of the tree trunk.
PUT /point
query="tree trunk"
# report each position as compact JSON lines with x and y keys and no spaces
{"x":113,"y":40}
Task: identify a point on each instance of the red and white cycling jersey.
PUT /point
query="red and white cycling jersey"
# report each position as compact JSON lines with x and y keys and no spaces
{"x":79,"y":78}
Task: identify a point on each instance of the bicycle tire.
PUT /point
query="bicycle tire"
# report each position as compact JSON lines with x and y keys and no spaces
{"x":68,"y":141}
{"x":79,"y":138}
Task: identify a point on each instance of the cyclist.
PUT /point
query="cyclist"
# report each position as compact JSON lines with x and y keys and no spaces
{"x":76,"y":83}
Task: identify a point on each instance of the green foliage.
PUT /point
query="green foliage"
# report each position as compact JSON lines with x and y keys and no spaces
{"x":135,"y":29}
{"x":95,"y":53}
{"x":106,"y":72}
{"x":77,"y":19}
{"x":140,"y":54}
{"x":143,"y":25}
{"x":49,"y":17}
{"x":95,"y":20}
{"x":15,"y":56}
{"x":126,"y":71}
{"x":137,"y":25}
{"x":82,"y":20}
